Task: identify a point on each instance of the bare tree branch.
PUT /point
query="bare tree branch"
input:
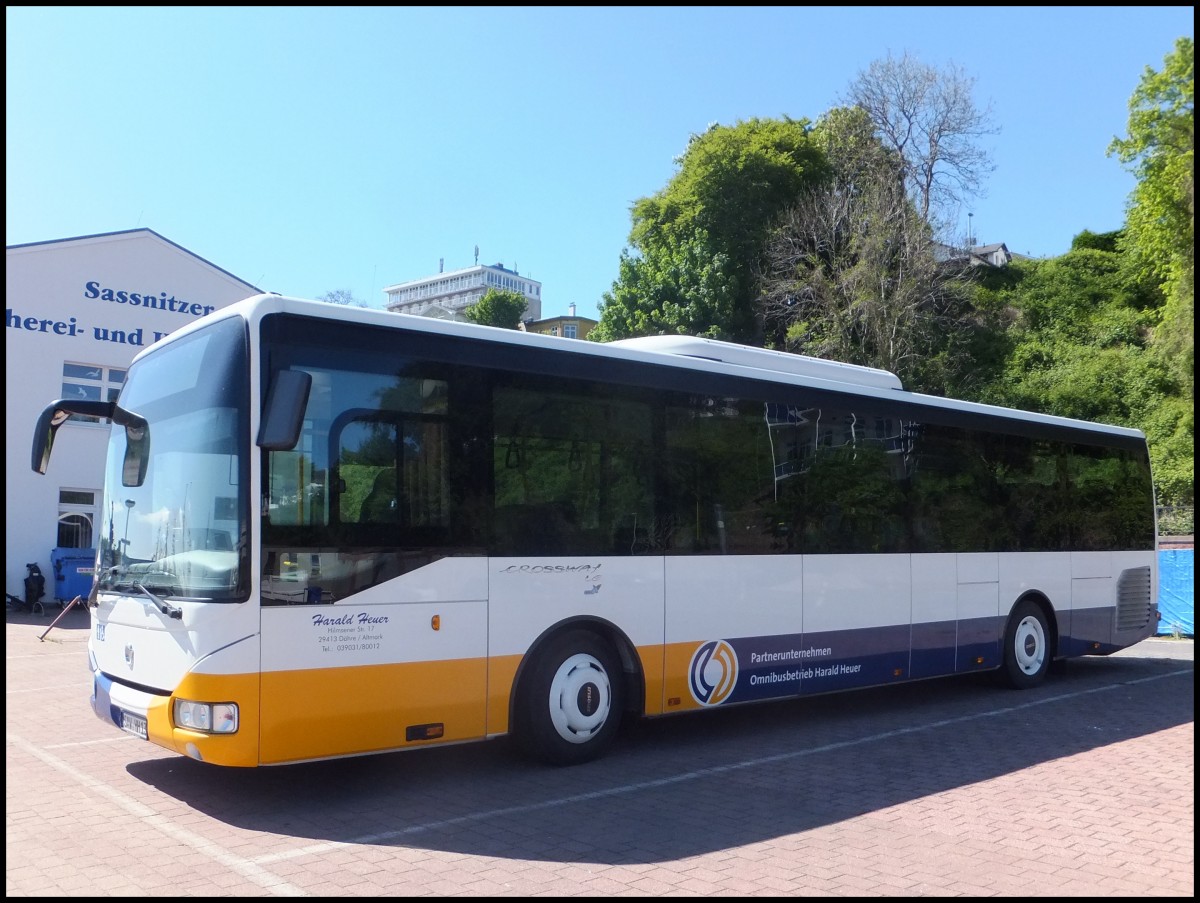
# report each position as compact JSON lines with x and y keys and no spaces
{"x":929,"y":117}
{"x":341,"y":296}
{"x":852,"y":275}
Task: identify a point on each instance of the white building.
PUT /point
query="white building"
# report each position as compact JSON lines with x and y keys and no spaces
{"x":451,"y":293}
{"x":77,"y":311}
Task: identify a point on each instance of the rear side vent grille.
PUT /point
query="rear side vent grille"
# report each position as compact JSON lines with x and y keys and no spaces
{"x":1133,"y":599}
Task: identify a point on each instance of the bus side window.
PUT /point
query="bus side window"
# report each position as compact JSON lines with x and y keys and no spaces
{"x":381,"y":503}
{"x":365,"y":455}
{"x":393,"y":470}
{"x":570,"y":473}
{"x":547,"y":529}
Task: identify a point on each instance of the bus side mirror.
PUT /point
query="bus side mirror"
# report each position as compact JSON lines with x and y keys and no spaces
{"x":283,"y":415}
{"x":137,"y":434}
{"x":55,"y":415}
{"x":137,"y":454}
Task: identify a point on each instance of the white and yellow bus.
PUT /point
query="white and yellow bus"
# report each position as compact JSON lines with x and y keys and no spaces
{"x":331,"y":532}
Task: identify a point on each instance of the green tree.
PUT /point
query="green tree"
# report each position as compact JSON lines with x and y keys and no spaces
{"x":1097,"y":241}
{"x":1077,"y":345}
{"x":1161,"y":216}
{"x":693,"y":245}
{"x":686,"y":287}
{"x":498,"y":307}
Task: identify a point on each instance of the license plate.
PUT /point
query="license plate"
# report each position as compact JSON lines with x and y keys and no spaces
{"x":134,"y":724}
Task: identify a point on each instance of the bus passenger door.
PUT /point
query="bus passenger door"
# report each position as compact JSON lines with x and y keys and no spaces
{"x":374,"y":618}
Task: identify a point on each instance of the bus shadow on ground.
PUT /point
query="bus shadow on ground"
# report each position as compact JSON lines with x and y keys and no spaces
{"x":691,"y":784}
{"x":53,"y":614}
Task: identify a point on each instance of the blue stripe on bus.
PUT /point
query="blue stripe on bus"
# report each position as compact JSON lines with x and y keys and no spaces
{"x":102,"y":700}
{"x":809,"y":664}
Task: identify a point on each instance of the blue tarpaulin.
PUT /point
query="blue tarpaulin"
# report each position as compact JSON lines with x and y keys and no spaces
{"x":1176,"y":592}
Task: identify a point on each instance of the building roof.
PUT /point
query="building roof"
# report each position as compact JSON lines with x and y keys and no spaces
{"x":129,"y":233}
{"x":984,"y":250}
{"x":499,"y":267}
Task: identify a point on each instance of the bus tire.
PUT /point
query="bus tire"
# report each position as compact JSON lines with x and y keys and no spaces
{"x":570,"y":705}
{"x":1027,"y":651}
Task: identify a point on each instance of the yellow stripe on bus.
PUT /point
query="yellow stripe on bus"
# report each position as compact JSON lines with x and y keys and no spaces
{"x":346,"y":711}
{"x":325,"y":712}
{"x":240,"y":749}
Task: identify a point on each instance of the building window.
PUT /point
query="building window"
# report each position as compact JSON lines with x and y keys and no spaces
{"x":570,"y":330}
{"x":76,"y":514}
{"x":91,"y":382}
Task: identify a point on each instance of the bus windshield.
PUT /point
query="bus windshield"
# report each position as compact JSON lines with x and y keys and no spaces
{"x":182,"y":531}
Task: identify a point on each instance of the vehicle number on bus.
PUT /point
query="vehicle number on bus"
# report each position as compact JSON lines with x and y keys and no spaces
{"x":134,"y":724}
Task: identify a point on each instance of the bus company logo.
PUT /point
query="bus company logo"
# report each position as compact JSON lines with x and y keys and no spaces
{"x":713,"y":672}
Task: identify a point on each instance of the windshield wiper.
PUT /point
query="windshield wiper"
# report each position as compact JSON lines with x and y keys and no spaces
{"x":164,"y":606}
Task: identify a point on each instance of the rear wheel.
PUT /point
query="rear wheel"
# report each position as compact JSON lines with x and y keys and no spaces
{"x":570,"y":703}
{"x":1027,"y":651}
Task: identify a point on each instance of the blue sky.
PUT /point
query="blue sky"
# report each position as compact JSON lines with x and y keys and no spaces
{"x":310,"y":149}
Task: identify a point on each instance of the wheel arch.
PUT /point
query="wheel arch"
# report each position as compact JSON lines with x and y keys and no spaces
{"x":631,"y":664}
{"x":1042,"y":601}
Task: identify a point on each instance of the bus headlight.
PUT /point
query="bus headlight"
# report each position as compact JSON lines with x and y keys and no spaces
{"x":211,"y":718}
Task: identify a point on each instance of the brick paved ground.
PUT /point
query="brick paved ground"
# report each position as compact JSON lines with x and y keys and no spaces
{"x":1083,"y":787}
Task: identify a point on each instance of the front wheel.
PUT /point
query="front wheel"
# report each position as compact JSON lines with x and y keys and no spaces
{"x":570,"y":704}
{"x":1027,"y":651}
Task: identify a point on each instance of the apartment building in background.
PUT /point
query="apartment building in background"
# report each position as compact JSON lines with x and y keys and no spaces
{"x":449,"y":294}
